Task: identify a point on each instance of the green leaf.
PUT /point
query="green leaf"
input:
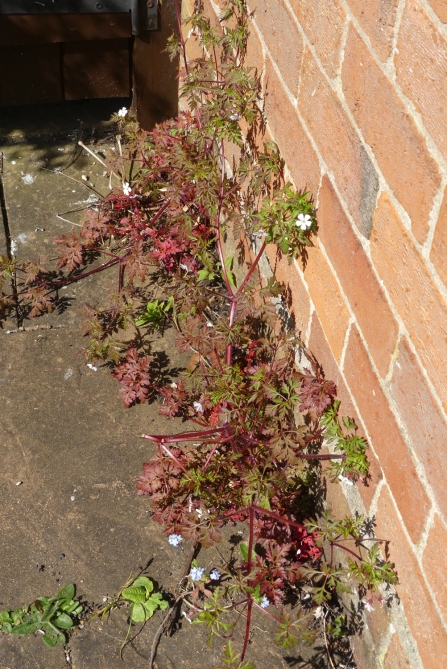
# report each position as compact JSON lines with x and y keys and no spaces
{"x":138,"y":613}
{"x":149,"y":608}
{"x":144,"y":582}
{"x":50,"y":640}
{"x":264,"y":502}
{"x":67,"y":592}
{"x":244,"y":552}
{"x":5,"y":617}
{"x":26,"y":628}
{"x":71,"y":607}
{"x":63,"y":621}
{"x":134,"y":594}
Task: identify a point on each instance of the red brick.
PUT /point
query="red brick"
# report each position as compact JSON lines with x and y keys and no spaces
{"x":395,"y":657}
{"x":355,"y":274}
{"x":439,"y":245}
{"x":254,"y":56}
{"x":428,"y":632}
{"x":421,"y":69}
{"x":377,"y":20}
{"x":365,"y":657}
{"x":335,"y":498}
{"x":320,"y":348}
{"x":393,"y":454}
{"x":423,"y":420}
{"x":285,"y":124}
{"x":378,"y":623}
{"x":282,"y":38}
{"x":296,"y":295}
{"x":434,"y":562}
{"x":338,"y":143}
{"x":412,"y":291}
{"x":440,"y":7}
{"x":328,"y":301}
{"x":399,"y":148}
{"x":323,"y":23}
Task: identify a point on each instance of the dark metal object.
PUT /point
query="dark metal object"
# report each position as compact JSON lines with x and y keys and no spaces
{"x":144,"y":14}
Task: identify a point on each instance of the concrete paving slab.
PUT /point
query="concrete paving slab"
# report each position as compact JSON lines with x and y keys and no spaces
{"x":74,"y":450}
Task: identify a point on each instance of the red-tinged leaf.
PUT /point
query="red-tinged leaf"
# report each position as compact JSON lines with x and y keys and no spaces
{"x":70,"y":251}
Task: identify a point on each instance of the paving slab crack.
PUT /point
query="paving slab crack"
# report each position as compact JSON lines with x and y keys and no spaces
{"x":8,"y":239}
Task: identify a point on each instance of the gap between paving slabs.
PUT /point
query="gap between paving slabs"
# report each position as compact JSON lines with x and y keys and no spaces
{"x":66,"y":436}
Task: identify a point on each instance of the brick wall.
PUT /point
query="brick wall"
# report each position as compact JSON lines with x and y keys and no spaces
{"x":355,"y":95}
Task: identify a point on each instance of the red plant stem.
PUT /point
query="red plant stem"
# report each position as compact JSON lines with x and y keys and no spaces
{"x":160,"y":456}
{"x":171,"y":455}
{"x":325,"y":456}
{"x":219,"y":211}
{"x":236,"y":187}
{"x":282,"y":519}
{"x":229,"y":356}
{"x":278,"y":620}
{"x":218,"y":360}
{"x":106,"y":253}
{"x":247,"y":629}
{"x":235,"y":295}
{"x":250,"y":538}
{"x":214,"y":292}
{"x":184,"y":436}
{"x":182,"y":41}
{"x":159,"y":212}
{"x":253,"y":267}
{"x":348,"y":550}
{"x":207,"y":461}
{"x":121,"y":275}
{"x":70,"y":279}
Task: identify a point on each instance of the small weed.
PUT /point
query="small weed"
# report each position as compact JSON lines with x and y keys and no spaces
{"x":143,"y":602}
{"x":52,"y":617}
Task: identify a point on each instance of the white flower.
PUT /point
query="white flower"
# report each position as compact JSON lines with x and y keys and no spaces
{"x":92,"y":367}
{"x":198,"y":407}
{"x":199,"y":512}
{"x":265,"y":602}
{"x":235,"y":117}
{"x":196,"y":573}
{"x":127,"y":189}
{"x":367,"y":604}
{"x":209,"y":325}
{"x":215,"y":574}
{"x":303,"y":221}
{"x":259,"y":234}
{"x":175,"y":539}
{"x":318,"y":612}
{"x":344,"y":479}
{"x":122,"y":112}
